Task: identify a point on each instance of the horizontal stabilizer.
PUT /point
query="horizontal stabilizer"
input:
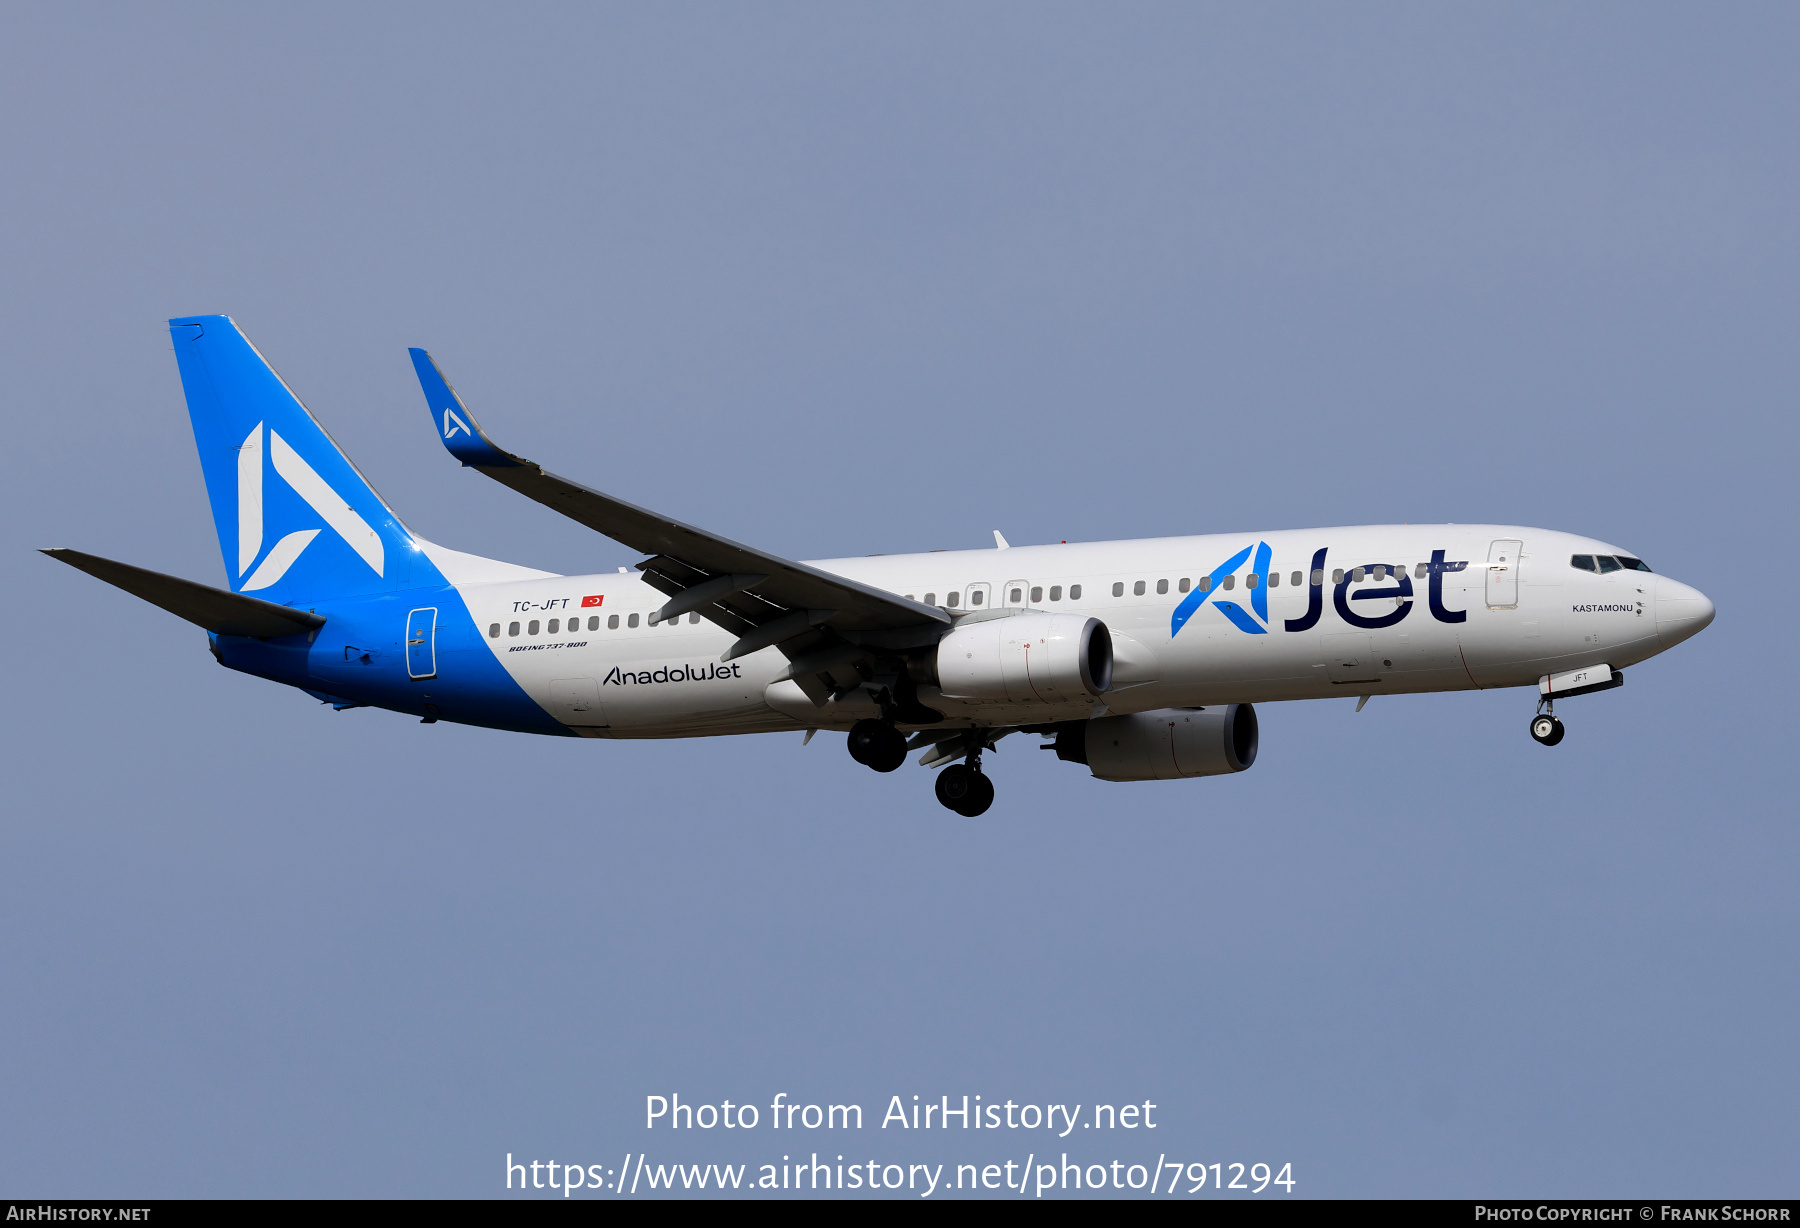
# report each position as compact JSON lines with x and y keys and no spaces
{"x":212,"y":608}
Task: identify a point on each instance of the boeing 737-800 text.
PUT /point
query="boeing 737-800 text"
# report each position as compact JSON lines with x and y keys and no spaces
{"x":1140,"y":659}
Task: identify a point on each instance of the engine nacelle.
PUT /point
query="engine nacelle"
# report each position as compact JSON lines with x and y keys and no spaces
{"x":1027,"y":658}
{"x":1166,"y":744}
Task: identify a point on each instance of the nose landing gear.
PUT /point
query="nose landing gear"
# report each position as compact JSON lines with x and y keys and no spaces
{"x":1546,"y":728}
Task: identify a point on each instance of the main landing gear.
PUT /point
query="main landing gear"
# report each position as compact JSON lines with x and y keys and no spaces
{"x":1546,"y":728}
{"x":877,"y":744}
{"x":963,"y":788}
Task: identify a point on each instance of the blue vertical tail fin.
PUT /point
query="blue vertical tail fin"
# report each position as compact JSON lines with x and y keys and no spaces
{"x":296,"y":520}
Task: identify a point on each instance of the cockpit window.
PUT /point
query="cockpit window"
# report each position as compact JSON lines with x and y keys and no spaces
{"x":1582,"y":562}
{"x":1607,"y":563}
{"x":1631,"y":564}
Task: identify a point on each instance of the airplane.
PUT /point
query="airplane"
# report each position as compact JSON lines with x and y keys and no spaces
{"x":1141,"y":660}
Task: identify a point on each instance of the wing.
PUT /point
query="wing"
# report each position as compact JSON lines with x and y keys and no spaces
{"x":212,"y":608}
{"x":761,"y":598}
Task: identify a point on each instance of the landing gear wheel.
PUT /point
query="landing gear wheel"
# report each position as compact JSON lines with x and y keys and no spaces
{"x":965,"y":790}
{"x":877,"y":744}
{"x":1547,"y":729}
{"x":984,"y":797}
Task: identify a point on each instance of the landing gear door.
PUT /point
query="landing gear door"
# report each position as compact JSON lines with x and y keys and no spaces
{"x":421,"y":643}
{"x":1503,"y":575}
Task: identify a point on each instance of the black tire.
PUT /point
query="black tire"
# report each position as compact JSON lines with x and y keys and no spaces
{"x":890,"y":752}
{"x":1546,"y":729}
{"x":956,"y":786}
{"x":1557,"y":735}
{"x":981,"y":800}
{"x":867,"y":740}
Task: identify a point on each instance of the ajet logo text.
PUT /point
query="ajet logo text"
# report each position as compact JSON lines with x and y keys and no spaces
{"x":1391,"y":583}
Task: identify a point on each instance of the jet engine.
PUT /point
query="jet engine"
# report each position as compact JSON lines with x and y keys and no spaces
{"x":1165,"y":744}
{"x":1027,"y":658}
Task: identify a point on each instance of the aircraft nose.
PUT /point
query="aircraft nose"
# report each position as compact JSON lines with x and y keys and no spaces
{"x":1681,"y":610}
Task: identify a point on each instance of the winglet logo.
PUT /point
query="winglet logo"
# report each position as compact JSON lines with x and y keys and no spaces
{"x":453,"y":424}
{"x":305,"y":482}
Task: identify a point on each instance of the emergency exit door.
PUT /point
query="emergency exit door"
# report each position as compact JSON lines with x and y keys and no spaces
{"x":421,"y":643}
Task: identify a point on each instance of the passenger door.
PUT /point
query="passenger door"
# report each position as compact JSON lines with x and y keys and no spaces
{"x":1503,"y":574}
{"x":421,"y":643}
{"x":975,"y":597}
{"x":1016,"y":593}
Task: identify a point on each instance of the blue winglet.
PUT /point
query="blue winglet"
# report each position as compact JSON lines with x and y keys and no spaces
{"x":455,"y":425}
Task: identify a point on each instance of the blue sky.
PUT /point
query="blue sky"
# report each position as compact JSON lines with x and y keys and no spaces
{"x":844,"y":280}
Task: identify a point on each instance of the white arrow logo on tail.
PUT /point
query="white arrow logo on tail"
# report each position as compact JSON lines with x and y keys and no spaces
{"x":306,"y":483}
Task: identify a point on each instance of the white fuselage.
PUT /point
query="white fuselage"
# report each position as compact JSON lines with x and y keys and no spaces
{"x":1526,"y":612}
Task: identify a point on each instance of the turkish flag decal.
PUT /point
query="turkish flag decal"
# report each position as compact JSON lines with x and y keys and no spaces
{"x":588,"y":601}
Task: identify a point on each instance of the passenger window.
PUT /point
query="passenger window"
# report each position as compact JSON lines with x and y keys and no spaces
{"x":1037,"y":594}
{"x":1162,"y":586}
{"x":1181,"y":585}
{"x":975,"y":597}
{"x":1074,"y":592}
{"x":1229,"y":584}
{"x":1381,"y":571}
{"x":531,"y":628}
{"x":930,"y":598}
{"x":632,"y":621}
{"x":594,"y":623}
{"x":950,"y":600}
{"x":512,"y":628}
{"x":1295,"y":579}
{"x":554,"y":624}
{"x":1356,"y":575}
{"x":1274,"y":579}
{"x":1206,"y":584}
{"x":612,"y":623}
{"x":1018,"y":595}
{"x":1607,"y":563}
{"x":1582,"y":562}
{"x":692,"y":619}
{"x":1056,"y":592}
{"x":1337,"y":575}
{"x":1118,"y":590}
{"x":494,"y":631}
{"x":1420,"y":570}
{"x":1137,"y":590}
{"x":1252,"y":580}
